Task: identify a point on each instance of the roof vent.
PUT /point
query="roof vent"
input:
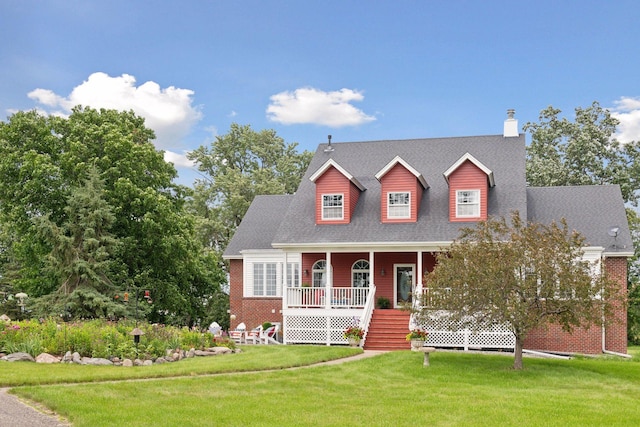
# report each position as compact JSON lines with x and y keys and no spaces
{"x":329,"y":148}
{"x":510,"y":125}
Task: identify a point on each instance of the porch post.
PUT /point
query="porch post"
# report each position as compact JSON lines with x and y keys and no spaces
{"x":372,"y":269}
{"x":284,"y":282}
{"x":418,"y":291}
{"x":329,"y":287}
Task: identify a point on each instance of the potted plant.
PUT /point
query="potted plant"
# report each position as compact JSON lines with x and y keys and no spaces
{"x":383,"y":303}
{"x":354,"y":334}
{"x":417,"y":338}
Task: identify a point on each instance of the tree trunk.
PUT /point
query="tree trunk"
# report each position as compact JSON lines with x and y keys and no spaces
{"x":517,"y":362}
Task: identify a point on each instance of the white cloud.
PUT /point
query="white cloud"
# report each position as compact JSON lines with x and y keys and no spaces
{"x":627,"y":110}
{"x":310,"y":105}
{"x":169,"y":111}
{"x":178,"y":160}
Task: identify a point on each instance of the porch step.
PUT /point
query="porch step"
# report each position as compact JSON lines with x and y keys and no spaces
{"x":388,"y":330}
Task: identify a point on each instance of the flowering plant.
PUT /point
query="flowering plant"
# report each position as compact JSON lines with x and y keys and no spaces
{"x":417,"y":334}
{"x":355,"y":332}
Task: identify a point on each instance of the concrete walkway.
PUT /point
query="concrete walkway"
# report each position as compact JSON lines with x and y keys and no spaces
{"x":15,"y":412}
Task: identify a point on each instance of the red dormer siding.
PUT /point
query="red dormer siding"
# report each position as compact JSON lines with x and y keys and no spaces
{"x":399,"y":180}
{"x":468,"y":177}
{"x":333,"y":181}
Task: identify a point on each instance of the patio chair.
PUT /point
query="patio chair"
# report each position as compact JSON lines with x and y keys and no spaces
{"x":254,"y":335}
{"x":268,"y":336}
{"x":239,"y":333}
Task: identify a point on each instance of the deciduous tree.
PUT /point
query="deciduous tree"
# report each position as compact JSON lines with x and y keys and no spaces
{"x":518,"y":274}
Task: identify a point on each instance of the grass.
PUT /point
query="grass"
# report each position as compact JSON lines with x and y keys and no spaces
{"x":388,"y":390}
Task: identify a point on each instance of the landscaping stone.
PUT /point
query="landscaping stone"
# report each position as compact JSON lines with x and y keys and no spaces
{"x":19,"y":357}
{"x":147,"y":362}
{"x":98,"y":361}
{"x":191,"y":352}
{"x":127,"y":362}
{"x":47,"y":358}
{"x":76,"y":358}
{"x":137,"y":362}
{"x":67,"y":358}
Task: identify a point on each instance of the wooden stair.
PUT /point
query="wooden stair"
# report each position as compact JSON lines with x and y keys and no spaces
{"x":388,"y":330}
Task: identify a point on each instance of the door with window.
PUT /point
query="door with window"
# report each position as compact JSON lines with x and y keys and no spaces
{"x":404,"y":283}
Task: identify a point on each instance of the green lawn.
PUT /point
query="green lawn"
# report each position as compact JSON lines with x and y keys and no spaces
{"x":388,"y":390}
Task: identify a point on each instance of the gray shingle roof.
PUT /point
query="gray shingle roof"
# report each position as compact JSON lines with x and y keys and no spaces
{"x":259,"y":224}
{"x":290,"y":220}
{"x":591,"y":209}
{"x":430,"y":157}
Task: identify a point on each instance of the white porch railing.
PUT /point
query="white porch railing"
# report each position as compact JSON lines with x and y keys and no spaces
{"x":317,"y":297}
{"x":309,"y":318}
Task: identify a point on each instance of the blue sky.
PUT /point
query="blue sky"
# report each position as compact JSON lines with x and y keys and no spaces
{"x":359,"y":70}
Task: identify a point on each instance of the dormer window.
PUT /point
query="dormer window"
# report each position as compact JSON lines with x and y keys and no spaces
{"x":399,"y":205}
{"x":332,"y":206}
{"x":468,"y":203}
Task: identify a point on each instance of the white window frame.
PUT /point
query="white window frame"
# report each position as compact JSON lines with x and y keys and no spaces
{"x":319,"y":274}
{"x":360,"y":276}
{"x":265,"y":279}
{"x":293,"y":275}
{"x":474,"y":204}
{"x":403,"y":208}
{"x":333,"y":208}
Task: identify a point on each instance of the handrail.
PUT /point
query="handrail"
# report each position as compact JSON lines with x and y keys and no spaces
{"x":365,"y":321}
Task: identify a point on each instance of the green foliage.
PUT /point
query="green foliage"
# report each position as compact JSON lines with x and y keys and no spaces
{"x":582,"y":152}
{"x":383,"y":303}
{"x":99,"y":338}
{"x":519,"y":274}
{"x":87,"y":202}
{"x":237,"y":167}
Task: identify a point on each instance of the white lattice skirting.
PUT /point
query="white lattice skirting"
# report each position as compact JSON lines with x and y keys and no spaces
{"x":319,"y":329}
{"x":444,"y":333}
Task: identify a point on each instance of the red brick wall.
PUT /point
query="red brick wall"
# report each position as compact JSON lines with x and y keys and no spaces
{"x":468,"y":177}
{"x":589,"y":341}
{"x":250,"y":311}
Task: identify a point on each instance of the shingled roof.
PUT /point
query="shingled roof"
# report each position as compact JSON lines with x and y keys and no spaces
{"x":289,"y":221}
{"x":431,"y":158}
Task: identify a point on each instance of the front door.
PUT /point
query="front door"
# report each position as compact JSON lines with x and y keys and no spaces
{"x":404,"y":283}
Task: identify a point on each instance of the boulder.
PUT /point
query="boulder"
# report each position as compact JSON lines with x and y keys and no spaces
{"x":127,"y":362}
{"x":191,"y":352}
{"x":46,"y":358}
{"x":67,"y":358}
{"x":75,"y":357}
{"x":98,"y":361}
{"x":147,"y":362}
{"x":19,"y":357}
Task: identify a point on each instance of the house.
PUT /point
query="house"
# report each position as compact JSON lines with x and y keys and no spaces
{"x":368,"y":220}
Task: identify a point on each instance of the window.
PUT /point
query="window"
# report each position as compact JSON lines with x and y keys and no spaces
{"x":265,"y":279}
{"x":319,"y":274}
{"x":332,"y":206}
{"x":293,"y":274}
{"x":360,"y":274}
{"x":399,"y":205}
{"x":468,"y":203}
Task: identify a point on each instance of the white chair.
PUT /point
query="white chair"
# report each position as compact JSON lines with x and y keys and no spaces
{"x":239,"y":333}
{"x":254,"y":335}
{"x":268,"y":336}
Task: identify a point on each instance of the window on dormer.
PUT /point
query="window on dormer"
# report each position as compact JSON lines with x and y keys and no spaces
{"x":468,"y":203}
{"x":332,"y":206}
{"x":399,"y":205}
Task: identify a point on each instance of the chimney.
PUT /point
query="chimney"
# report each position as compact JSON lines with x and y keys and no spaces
{"x":510,"y":125}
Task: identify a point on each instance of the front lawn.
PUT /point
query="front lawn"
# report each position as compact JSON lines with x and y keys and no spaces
{"x":392,"y":389}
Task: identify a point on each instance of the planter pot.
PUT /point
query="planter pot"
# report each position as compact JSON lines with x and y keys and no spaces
{"x":354,"y":342}
{"x":417,"y":344}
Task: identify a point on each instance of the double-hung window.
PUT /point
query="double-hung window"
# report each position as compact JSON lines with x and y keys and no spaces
{"x":332,"y":206}
{"x":293,"y":274}
{"x":399,"y":205}
{"x":468,"y":203}
{"x":265,"y":279}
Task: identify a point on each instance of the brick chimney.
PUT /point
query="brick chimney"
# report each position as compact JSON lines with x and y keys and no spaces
{"x":510,"y":125}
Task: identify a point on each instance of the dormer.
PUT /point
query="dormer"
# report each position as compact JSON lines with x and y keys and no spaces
{"x":337,"y":193}
{"x":401,"y":191}
{"x":469,"y":182}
